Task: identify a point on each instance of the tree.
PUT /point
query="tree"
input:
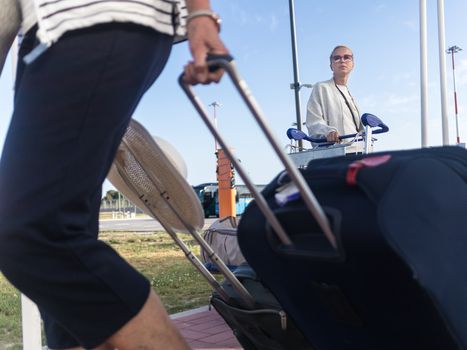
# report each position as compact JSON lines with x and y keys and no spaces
{"x":111,"y":195}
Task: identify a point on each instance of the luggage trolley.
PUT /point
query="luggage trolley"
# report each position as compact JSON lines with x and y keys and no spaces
{"x":324,"y":149}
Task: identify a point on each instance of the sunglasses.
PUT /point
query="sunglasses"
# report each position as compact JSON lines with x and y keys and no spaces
{"x":345,"y":58}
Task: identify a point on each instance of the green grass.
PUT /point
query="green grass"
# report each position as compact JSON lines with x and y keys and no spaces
{"x":10,"y":321}
{"x":179,"y":285}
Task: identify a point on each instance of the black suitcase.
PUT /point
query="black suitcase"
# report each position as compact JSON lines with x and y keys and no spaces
{"x":398,"y":277}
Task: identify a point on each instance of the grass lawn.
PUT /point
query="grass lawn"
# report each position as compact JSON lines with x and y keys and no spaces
{"x":180,"y":286}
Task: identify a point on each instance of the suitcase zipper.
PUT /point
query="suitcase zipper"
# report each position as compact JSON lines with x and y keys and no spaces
{"x":283,"y":316}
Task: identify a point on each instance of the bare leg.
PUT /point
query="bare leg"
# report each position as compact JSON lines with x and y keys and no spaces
{"x":102,"y":347}
{"x":150,"y":329}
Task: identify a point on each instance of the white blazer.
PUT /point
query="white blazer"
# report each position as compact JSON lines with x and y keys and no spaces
{"x":325,"y":110}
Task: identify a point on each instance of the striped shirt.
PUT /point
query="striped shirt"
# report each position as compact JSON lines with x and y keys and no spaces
{"x":56,"y":17}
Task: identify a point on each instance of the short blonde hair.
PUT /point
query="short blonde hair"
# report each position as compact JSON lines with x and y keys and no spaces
{"x":337,"y":48}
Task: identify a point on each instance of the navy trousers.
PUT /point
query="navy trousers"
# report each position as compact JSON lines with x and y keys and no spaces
{"x":72,"y":107}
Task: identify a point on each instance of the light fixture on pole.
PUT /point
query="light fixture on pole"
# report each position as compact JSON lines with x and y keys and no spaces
{"x":453,"y":50}
{"x":225,"y":176}
{"x":299,"y":86}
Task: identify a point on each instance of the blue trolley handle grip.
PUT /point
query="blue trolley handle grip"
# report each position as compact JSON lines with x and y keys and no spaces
{"x":295,"y":134}
{"x":367,"y":119}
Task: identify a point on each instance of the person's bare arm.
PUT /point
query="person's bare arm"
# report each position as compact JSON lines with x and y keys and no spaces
{"x":203,"y":37}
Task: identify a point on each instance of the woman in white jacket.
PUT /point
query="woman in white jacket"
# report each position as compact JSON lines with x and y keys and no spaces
{"x":331,"y":109}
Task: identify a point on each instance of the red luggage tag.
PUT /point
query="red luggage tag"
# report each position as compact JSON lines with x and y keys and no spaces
{"x":370,"y":162}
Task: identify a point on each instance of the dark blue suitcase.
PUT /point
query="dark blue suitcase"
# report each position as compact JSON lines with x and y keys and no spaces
{"x":390,"y":274}
{"x":398,"y":279}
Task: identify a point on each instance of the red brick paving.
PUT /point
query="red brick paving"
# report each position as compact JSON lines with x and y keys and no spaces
{"x":205,"y":329}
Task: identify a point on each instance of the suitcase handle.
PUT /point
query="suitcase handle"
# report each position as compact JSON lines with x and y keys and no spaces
{"x":309,"y":242}
{"x":211,"y":57}
{"x":305,"y":192}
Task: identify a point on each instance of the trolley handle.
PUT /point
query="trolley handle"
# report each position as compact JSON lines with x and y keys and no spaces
{"x":214,"y":61}
{"x":307,"y":195}
{"x":367,"y":120}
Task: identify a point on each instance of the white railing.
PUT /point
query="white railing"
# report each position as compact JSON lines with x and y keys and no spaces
{"x":31,"y":322}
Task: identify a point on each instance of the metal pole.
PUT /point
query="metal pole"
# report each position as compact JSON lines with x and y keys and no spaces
{"x":442,"y":70}
{"x":423,"y":74}
{"x":452,"y":50}
{"x":119,"y":203}
{"x":296,"y":84}
{"x":214,"y":105}
{"x":14,"y":59}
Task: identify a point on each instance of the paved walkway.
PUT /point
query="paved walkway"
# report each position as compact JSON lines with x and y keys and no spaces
{"x":205,"y":329}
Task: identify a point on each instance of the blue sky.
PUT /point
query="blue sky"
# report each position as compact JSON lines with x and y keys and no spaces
{"x":384,"y":37}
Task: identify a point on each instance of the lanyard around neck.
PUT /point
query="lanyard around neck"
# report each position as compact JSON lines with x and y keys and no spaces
{"x":348,"y":105}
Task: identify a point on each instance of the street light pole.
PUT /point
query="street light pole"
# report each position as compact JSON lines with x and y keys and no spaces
{"x":225,"y":176}
{"x":442,"y":72}
{"x":453,"y":50}
{"x":214,"y":106}
{"x":423,"y":75}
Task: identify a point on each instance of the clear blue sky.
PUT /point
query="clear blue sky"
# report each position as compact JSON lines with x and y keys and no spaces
{"x":384,"y":37}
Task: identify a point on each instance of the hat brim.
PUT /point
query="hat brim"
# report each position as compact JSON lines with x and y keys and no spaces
{"x":143,"y":173}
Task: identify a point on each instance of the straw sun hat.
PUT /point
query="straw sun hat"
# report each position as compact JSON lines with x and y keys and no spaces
{"x":151,"y":174}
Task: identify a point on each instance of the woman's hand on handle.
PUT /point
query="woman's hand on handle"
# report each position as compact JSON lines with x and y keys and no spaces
{"x":333,"y":136}
{"x":204,"y":39}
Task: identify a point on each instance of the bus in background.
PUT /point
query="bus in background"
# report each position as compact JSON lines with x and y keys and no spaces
{"x":208,"y":196}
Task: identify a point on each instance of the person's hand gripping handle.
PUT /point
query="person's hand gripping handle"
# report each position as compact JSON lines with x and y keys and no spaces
{"x":203,"y":28}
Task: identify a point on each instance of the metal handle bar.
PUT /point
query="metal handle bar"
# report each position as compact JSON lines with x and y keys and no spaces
{"x":367,"y":120}
{"x":306,"y":194}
